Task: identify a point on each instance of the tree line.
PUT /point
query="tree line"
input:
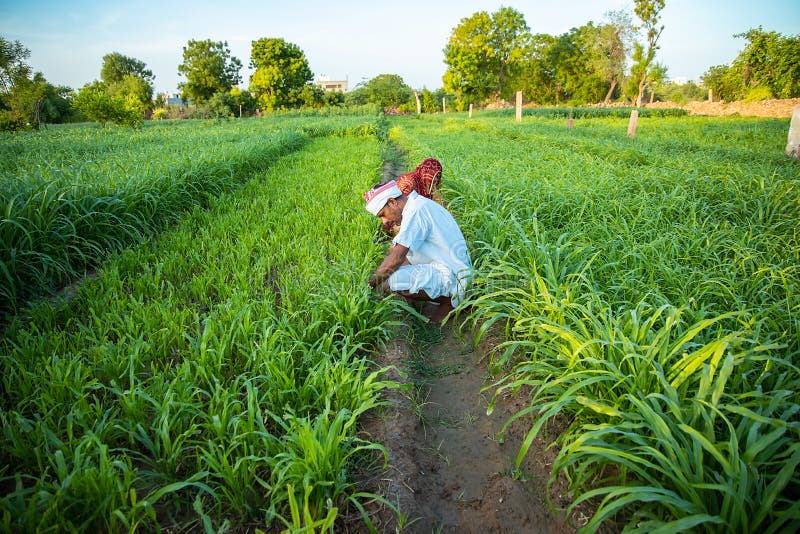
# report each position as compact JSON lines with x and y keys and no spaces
{"x":488,"y":57}
{"x":491,"y":56}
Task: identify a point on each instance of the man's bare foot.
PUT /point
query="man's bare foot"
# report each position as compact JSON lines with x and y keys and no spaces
{"x":438,"y":315}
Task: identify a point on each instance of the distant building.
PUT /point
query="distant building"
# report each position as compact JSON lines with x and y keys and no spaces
{"x":174,"y":99}
{"x":329,"y":85}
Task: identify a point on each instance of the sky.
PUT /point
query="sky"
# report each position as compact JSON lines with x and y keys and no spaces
{"x":354,"y":40}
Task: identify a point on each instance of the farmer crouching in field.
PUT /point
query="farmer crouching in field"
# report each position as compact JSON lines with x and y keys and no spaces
{"x":428,"y":259}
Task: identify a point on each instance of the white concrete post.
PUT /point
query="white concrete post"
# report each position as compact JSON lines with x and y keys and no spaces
{"x":793,"y":141}
{"x":634,"y":120}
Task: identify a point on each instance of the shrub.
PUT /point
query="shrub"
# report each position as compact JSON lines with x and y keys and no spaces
{"x":99,"y":105}
{"x":7,"y":121}
{"x":756,"y":94}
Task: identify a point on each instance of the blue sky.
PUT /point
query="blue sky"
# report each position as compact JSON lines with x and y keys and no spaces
{"x":353,"y":39}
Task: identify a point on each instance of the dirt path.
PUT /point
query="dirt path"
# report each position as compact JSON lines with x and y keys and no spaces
{"x":450,"y":468}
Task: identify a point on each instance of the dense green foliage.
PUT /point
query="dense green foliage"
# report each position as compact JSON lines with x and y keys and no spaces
{"x":100,"y":105}
{"x":13,"y":57}
{"x":768,"y":66}
{"x":649,"y":12}
{"x":209,"y":69}
{"x":388,"y":90}
{"x":647,"y":292}
{"x":282,"y":78}
{"x":129,"y":79}
{"x":483,"y":53}
{"x":117,"y":66}
{"x":493,"y":56}
{"x":28,"y":99}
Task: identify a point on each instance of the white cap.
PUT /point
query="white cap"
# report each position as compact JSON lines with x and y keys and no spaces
{"x":377,"y":197}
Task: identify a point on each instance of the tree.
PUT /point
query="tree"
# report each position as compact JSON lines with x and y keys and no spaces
{"x":99,"y":105}
{"x":724,"y":81}
{"x":468,"y":59}
{"x":564,"y":68}
{"x":509,"y":38}
{"x":281,"y":74}
{"x":388,"y":90}
{"x":770,"y":60}
{"x":612,"y":47}
{"x":681,"y":93}
{"x":209,"y":68}
{"x":538,"y":80}
{"x":429,"y":103}
{"x":648,"y":12}
{"x":573,"y":56}
{"x":333,"y":98}
{"x":12,"y":63}
{"x":135,"y":91}
{"x":769,"y":66}
{"x":483,"y":53}
{"x":25,"y":99}
{"x":244,"y":102}
{"x":116,"y":66}
{"x":34,"y":101}
{"x":656,"y":78}
{"x":357,"y":97}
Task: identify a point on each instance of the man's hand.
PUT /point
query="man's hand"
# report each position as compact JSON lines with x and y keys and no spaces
{"x":395,"y":258}
{"x":377,"y":279}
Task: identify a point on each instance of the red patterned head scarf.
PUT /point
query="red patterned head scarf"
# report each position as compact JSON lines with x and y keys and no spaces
{"x":425,"y":179}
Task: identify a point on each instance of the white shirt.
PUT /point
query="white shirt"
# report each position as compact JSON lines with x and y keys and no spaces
{"x":433,"y":237}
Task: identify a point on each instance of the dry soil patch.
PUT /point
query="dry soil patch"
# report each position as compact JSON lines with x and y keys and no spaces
{"x":451,"y":467}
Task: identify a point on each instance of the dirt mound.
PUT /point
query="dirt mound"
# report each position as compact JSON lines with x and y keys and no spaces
{"x":764,"y":108}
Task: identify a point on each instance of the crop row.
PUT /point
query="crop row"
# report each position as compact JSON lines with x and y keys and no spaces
{"x":647,"y":289}
{"x":70,"y":196}
{"x":212,"y":377}
{"x":584,"y":112}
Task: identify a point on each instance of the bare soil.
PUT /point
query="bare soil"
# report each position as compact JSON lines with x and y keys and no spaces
{"x":451,"y":465}
{"x":778,"y":108}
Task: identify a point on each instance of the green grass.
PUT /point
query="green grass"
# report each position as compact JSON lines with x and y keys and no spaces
{"x":212,"y":376}
{"x":212,"y":373}
{"x":68,"y":197}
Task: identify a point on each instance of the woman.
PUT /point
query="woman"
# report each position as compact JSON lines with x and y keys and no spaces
{"x":426,"y":180}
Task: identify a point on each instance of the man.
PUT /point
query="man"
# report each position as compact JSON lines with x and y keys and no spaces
{"x":428,"y":259}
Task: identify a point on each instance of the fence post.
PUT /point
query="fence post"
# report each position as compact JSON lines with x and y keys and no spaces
{"x":519,"y":106}
{"x":634,"y":120}
{"x":419,"y":106}
{"x":470,"y":111}
{"x":793,"y":141}
{"x":444,"y":106}
{"x":710,"y":95}
{"x":569,"y":123}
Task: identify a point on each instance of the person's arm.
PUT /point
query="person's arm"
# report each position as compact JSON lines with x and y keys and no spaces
{"x":392,"y":262}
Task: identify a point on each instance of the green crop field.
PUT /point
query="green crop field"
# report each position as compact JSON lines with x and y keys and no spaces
{"x":211,"y":369}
